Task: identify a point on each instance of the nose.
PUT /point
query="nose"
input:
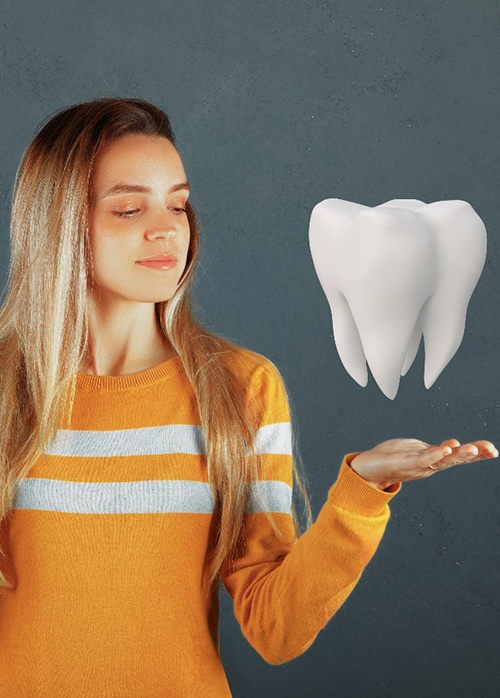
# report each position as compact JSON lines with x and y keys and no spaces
{"x":163,"y":225}
{"x":162,"y":233}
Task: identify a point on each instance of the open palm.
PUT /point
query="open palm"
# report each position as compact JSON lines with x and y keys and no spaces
{"x":398,"y":460}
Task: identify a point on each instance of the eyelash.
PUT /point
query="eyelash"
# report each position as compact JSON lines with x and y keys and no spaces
{"x":123,"y":214}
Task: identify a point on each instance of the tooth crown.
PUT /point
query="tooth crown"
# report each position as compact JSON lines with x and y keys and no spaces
{"x":392,"y":273}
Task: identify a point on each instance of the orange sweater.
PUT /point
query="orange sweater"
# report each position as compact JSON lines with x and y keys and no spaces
{"x":107,"y":541}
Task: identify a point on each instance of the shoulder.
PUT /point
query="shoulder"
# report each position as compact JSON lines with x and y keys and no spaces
{"x":252,"y":367}
{"x":266,"y":391}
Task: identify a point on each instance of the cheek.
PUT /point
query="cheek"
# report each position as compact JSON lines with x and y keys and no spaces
{"x":111,"y":250}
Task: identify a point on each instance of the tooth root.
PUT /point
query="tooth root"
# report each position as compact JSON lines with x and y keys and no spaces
{"x":440,"y":349}
{"x":386,"y":329}
{"x":348,"y":342}
{"x":461,"y":244}
{"x":412,"y":351}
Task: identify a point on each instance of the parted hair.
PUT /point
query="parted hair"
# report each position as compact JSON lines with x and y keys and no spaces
{"x":44,"y":330}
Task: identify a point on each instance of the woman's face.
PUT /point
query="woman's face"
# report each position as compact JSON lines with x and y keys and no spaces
{"x":146,"y":220}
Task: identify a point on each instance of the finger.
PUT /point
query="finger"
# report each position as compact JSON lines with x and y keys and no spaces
{"x":486,"y":449}
{"x":463,"y":454}
{"x":450,"y":442}
{"x":433,"y":455}
{"x":471,"y":452}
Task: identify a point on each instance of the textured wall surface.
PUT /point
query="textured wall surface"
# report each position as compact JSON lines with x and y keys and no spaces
{"x":275,"y":107}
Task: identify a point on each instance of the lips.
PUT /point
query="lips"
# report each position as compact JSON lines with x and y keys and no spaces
{"x":392,"y":273}
{"x":160,"y":258}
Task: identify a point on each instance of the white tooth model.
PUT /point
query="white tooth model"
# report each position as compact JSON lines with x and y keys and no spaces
{"x":392,"y":273}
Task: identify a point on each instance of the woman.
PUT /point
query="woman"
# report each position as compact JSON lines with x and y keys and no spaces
{"x":144,"y":458}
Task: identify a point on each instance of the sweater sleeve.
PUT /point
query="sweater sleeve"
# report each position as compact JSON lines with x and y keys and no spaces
{"x":285,"y":590}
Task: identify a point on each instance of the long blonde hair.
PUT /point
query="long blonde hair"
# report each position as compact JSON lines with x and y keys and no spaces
{"x":44,"y":323}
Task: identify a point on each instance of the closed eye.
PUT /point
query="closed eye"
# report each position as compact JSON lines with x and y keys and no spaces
{"x":125,"y":214}
{"x":128,"y":214}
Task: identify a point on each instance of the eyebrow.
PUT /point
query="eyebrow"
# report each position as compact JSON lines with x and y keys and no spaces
{"x":129,"y":188}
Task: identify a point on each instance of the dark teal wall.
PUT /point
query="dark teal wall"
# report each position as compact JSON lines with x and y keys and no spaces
{"x":277,"y":106}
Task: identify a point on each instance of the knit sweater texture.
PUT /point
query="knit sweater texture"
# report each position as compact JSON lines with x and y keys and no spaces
{"x":107,"y":542}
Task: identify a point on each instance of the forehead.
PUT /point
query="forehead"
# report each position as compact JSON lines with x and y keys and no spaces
{"x":135,"y":157}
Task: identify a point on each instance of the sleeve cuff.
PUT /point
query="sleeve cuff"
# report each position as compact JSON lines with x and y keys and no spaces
{"x":350,"y":491}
